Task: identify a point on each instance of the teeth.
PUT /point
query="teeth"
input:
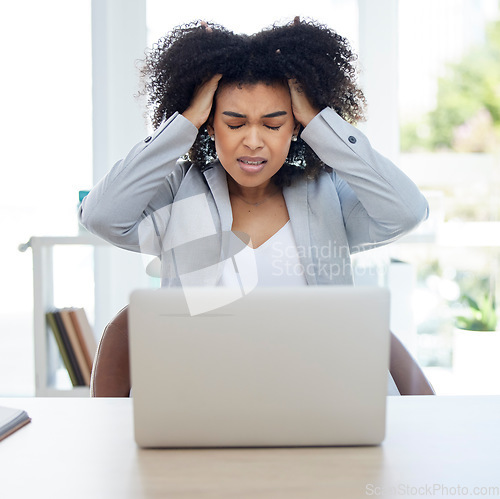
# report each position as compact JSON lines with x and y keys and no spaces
{"x":255,"y":163}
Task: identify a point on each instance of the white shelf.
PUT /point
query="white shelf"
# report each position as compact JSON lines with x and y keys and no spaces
{"x":49,"y":241}
{"x":77,"y":391}
{"x":47,"y":357}
{"x":461,"y":234}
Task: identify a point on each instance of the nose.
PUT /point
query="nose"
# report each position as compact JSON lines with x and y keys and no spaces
{"x":253,"y":138}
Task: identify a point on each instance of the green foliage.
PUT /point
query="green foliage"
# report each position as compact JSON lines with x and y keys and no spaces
{"x":468,"y":104}
{"x":482,"y":314}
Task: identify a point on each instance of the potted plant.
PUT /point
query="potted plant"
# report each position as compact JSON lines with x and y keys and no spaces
{"x":482,"y":315}
{"x":476,"y":347}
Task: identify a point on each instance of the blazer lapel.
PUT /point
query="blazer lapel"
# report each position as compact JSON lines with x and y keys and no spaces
{"x":297,"y":204}
{"x":215,"y":176}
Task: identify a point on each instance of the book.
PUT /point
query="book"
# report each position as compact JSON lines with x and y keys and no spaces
{"x":76,"y":345}
{"x":11,"y":420}
{"x":65,"y":348}
{"x":51,"y":320}
{"x":85,"y":334}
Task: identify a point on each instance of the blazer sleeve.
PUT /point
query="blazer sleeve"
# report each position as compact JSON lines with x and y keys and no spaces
{"x":379,"y":202}
{"x":118,"y":203}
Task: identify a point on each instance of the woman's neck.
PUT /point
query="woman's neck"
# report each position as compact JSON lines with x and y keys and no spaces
{"x":252,"y":195}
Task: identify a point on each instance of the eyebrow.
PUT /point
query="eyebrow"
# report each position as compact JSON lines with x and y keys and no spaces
{"x":232,"y":114}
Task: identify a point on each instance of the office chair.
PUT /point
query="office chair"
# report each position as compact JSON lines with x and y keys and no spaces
{"x":111,"y":373}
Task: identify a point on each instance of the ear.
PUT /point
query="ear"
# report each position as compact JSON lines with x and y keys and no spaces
{"x":296,"y":128}
{"x":210,"y":124}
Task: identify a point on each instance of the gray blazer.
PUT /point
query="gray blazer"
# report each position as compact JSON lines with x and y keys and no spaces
{"x":153,"y":202}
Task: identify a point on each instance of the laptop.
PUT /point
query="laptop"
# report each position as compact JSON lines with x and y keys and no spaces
{"x":305,"y":366}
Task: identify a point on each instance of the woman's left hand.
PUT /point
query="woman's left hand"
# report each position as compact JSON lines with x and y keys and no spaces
{"x":302,"y":108}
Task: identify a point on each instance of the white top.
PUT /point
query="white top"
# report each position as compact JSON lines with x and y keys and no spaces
{"x":274,"y":263}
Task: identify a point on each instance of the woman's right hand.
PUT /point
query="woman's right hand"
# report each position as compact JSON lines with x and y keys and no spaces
{"x":201,"y":103}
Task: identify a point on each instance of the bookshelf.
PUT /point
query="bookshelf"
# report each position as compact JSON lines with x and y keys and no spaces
{"x":47,"y":359}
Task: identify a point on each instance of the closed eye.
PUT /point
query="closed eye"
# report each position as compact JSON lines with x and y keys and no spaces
{"x":236,"y":127}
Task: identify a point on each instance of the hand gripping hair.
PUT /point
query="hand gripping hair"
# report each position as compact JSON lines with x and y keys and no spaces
{"x":313,"y":54}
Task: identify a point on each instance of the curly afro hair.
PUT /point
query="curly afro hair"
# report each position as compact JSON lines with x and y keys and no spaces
{"x":317,"y":57}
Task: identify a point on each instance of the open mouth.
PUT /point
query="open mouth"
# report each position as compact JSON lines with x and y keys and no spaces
{"x":251,"y":165}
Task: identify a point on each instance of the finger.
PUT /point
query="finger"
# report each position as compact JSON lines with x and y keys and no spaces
{"x":294,"y":85}
{"x":206,"y":26}
{"x":202,"y":101}
{"x":216,"y":78}
{"x":210,"y":87}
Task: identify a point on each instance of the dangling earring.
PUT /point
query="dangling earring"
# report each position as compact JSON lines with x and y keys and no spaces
{"x":212,"y":138}
{"x":294,"y":138}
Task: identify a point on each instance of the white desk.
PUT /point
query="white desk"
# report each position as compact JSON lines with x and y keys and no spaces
{"x":84,"y":448}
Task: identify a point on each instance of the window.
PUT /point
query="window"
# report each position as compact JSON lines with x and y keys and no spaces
{"x":46,"y":155}
{"x":449,"y":82}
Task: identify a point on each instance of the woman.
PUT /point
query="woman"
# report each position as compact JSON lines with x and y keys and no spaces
{"x":261,"y":125}
{"x":270,"y":166}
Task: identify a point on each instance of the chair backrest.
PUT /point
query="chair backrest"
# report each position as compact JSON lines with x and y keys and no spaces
{"x":406,"y":372}
{"x":111,"y":371}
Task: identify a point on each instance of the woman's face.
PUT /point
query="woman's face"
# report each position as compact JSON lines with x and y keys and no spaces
{"x":253,"y":126}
